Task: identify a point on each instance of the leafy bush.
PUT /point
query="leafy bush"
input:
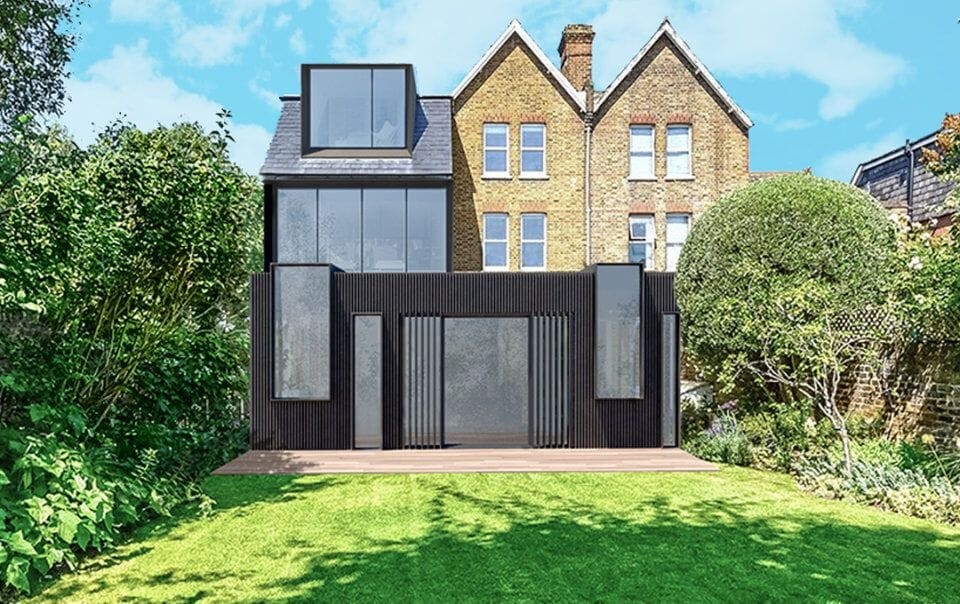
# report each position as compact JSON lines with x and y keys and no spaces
{"x":885,"y":486}
{"x":773,"y":281}
{"x":779,"y":438}
{"x":60,"y":497}
{"x":723,"y":442}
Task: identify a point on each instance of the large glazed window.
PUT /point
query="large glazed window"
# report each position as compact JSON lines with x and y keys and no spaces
{"x":357,"y":108}
{"x":370,"y":229}
{"x":426,"y":230}
{"x":642,"y":236}
{"x":533,"y":242}
{"x":384,"y":234}
{"x":641,"y":152}
{"x":495,"y":229}
{"x":339,"y":228}
{"x":618,"y":342}
{"x":297,"y":225}
{"x":533,"y":150}
{"x":678,"y":151}
{"x":495,"y":154}
{"x":301,"y":331}
{"x":678,"y":227}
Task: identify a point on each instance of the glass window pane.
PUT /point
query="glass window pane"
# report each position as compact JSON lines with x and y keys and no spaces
{"x":367,"y":381}
{"x":495,"y":227}
{"x":339,"y":228}
{"x":301,"y":315}
{"x":641,"y":165}
{"x":531,"y":226}
{"x":389,"y":107}
{"x":297,"y":225}
{"x":495,"y":161}
{"x":641,"y":227}
{"x":531,"y":255}
{"x":673,"y":255}
{"x":485,"y":366}
{"x":340,"y":108}
{"x":641,"y":253}
{"x":677,"y":228}
{"x":383,"y":229}
{"x":426,"y":229}
{"x":618,"y":350}
{"x":531,"y":135}
{"x":641,"y":138}
{"x":678,"y":164}
{"x":495,"y":135}
{"x":495,"y":254}
{"x":531,"y":161}
{"x":678,"y":138}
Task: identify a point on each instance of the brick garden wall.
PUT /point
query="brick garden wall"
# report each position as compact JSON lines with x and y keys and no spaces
{"x":919,"y":394}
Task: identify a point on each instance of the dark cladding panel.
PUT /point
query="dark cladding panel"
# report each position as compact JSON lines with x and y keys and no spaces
{"x":422,"y":379}
{"x":301,"y":329}
{"x":297,"y":226}
{"x":549,"y":380}
{"x":619,"y":361}
{"x":669,"y":377}
{"x":485,"y":381}
{"x":367,"y":381}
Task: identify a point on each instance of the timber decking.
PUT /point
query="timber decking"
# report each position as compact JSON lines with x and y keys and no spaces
{"x":405,"y":461}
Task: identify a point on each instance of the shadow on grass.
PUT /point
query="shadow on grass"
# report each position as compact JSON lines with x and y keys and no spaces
{"x":507,"y":548}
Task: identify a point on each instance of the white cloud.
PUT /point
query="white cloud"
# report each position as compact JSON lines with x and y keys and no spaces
{"x":297,"y":42}
{"x":781,"y":124}
{"x":750,"y":38}
{"x":156,"y":12}
{"x":267,"y":96}
{"x":129,"y":84}
{"x":282,"y":20}
{"x":742,"y":38}
{"x":842,"y":164}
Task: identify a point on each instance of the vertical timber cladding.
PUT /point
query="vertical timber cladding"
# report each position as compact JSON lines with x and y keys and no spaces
{"x":299,"y":424}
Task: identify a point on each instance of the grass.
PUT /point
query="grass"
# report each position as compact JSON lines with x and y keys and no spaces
{"x":735,"y":535}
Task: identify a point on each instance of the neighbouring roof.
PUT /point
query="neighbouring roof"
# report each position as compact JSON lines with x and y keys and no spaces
{"x":432,"y":148}
{"x":889,"y":180}
{"x":666,"y":29}
{"x":578,"y":97}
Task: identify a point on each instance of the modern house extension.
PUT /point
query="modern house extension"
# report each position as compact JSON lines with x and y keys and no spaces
{"x":426,"y":280}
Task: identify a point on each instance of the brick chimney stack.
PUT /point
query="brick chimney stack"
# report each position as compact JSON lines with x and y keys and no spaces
{"x":576,"y":58}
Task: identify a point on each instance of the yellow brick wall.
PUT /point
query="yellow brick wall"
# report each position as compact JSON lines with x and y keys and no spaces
{"x":662,"y":90}
{"x":514,"y":88}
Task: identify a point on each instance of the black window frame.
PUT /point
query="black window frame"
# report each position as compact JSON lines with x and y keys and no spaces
{"x":411,"y":101}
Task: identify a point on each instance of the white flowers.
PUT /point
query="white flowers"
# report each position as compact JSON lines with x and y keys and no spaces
{"x":915,"y":264}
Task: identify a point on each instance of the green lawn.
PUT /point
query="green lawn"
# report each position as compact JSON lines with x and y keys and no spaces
{"x":735,"y":535}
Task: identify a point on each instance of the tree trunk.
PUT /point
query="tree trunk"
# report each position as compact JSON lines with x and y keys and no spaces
{"x":845,"y":440}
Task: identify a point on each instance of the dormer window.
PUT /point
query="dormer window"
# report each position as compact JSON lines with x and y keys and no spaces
{"x":352,"y":107}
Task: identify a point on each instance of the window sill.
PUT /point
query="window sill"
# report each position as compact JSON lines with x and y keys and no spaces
{"x":687,"y":177}
{"x":534,"y":176}
{"x":486,"y":176}
{"x":495,"y":269}
{"x":533,"y":269}
{"x":641,"y":179}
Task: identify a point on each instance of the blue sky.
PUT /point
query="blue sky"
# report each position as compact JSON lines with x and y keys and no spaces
{"x":828,"y":83}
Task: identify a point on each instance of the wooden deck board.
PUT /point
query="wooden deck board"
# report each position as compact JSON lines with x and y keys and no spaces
{"x":464,"y":461}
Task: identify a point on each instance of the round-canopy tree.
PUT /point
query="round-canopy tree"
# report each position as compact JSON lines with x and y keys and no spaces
{"x":775,"y":280}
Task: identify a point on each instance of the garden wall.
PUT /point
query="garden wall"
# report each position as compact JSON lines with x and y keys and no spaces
{"x":918,"y":394}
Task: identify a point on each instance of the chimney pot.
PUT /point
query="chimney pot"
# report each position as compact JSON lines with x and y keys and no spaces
{"x":576,"y":56}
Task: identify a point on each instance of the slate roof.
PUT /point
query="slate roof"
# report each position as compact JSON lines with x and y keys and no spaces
{"x":887,"y":178}
{"x":432,"y":149}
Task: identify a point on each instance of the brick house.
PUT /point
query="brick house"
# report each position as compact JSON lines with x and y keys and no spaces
{"x":900,"y":181}
{"x":584,"y":176}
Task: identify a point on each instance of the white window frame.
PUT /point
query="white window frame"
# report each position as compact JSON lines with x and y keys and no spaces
{"x":542,"y":149}
{"x":650,"y":240}
{"x":674,"y":152}
{"x":524,"y":239}
{"x":505,"y":149}
{"x":676,"y":244}
{"x":631,"y":152}
{"x":505,"y":241}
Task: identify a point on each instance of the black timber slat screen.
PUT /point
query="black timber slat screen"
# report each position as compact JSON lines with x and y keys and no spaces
{"x":422,"y":382}
{"x":549,"y":377}
{"x":329,"y":424}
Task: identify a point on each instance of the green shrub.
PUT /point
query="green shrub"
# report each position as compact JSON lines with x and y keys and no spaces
{"x":773,"y":282}
{"x":723,"y":442}
{"x":60,"y":497}
{"x":885,"y":486}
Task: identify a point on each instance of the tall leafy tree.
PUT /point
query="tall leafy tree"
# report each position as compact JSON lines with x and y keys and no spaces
{"x":36,"y":39}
